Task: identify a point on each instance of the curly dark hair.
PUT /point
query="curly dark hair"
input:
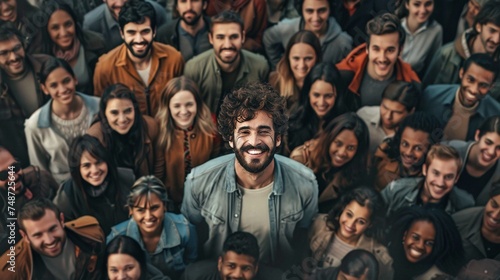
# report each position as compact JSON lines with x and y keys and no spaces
{"x":243,"y":103}
{"x":366,"y":197}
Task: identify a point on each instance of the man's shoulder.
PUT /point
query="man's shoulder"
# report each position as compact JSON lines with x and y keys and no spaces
{"x":287,"y":25}
{"x":368,"y":112}
{"x":254,"y":59}
{"x":292,"y":167}
{"x":440,"y":92}
{"x":92,"y":18}
{"x":490,"y":105}
{"x":468,"y":216}
{"x":403,"y":185}
{"x":201,"y":59}
{"x":164,"y":49}
{"x":211,"y":167}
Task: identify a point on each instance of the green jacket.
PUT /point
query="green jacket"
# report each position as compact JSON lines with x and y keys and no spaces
{"x":204,"y":70}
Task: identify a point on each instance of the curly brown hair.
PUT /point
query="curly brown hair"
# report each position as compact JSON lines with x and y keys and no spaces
{"x":243,"y":103}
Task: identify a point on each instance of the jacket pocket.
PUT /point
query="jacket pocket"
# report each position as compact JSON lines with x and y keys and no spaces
{"x":289,"y":223}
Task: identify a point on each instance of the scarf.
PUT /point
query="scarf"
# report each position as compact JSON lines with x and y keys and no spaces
{"x":70,"y":54}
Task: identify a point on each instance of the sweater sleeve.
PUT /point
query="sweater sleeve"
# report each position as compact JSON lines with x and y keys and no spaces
{"x":273,"y":44}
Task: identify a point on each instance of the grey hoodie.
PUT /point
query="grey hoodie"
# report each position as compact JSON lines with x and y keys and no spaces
{"x":335,"y":45}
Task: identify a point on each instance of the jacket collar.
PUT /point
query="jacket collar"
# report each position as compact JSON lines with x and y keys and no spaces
{"x":169,"y":238}
{"x":474,"y":230}
{"x":244,"y":68}
{"x":231,"y":176}
{"x":44,"y":118}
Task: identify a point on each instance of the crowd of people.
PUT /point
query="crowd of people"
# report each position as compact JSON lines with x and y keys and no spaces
{"x":250,"y":139}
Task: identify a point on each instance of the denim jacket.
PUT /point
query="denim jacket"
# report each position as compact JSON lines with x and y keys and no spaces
{"x":176,"y":249}
{"x":212,"y":199}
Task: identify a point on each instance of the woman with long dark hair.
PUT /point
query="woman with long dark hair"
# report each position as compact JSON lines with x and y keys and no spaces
{"x":63,"y":37}
{"x":129,"y":136}
{"x":96,"y":187}
{"x":355,"y":222}
{"x":424,"y":242}
{"x":321,"y":100}
{"x":337,"y":156}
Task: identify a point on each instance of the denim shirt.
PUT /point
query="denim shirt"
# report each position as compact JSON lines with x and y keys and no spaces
{"x":177,"y":246}
{"x":212,"y":199}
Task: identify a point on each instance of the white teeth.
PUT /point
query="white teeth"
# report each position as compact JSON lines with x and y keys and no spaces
{"x":51,"y":246}
{"x":254,"y":152}
{"x":493,"y":221}
{"x":415,"y":253}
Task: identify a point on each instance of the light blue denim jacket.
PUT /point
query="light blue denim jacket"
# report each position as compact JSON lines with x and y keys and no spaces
{"x":211,"y":198}
{"x":178,"y":245}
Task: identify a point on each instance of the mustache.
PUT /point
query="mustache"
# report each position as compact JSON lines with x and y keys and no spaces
{"x":261,"y":147}
{"x":189,"y":11}
{"x":227,"y":49}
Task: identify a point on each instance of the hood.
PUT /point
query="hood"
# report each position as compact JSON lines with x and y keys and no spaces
{"x":462,"y":43}
{"x":333,"y":31}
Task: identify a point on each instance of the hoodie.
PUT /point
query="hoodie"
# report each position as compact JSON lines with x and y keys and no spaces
{"x":335,"y":44}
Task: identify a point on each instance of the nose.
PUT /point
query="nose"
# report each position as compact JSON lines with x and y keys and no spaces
{"x":93,"y":169}
{"x":301,"y":64}
{"x":12,"y":55}
{"x":342,"y":151}
{"x":147,"y":214}
{"x":237,"y":273}
{"x":440,"y":181}
{"x":496,"y":214}
{"x":121,"y":275}
{"x":122,"y":118}
{"x":49,"y":239}
{"x":189,"y":5}
{"x":183,"y":110}
{"x":315,"y":16}
{"x":420,"y":244}
{"x":496,"y":38}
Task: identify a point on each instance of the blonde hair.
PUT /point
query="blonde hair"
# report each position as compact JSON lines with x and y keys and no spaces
{"x":203,"y":122}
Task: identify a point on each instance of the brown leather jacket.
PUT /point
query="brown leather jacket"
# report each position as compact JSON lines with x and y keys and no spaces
{"x":89,"y":241}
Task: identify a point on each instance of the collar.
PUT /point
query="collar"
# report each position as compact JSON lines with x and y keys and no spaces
{"x":448,"y":99}
{"x":110,"y":20}
{"x":169,"y":238}
{"x":243,"y":67}
{"x":44,"y":118}
{"x":231,"y":183}
{"x":404,"y":24}
{"x":156,"y":55}
{"x":375,"y":119}
{"x":412,"y":196}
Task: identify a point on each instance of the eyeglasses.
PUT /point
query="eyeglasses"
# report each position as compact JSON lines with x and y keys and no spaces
{"x":15,"y":167}
{"x":16,"y":50}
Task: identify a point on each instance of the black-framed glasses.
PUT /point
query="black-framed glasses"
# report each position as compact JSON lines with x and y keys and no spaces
{"x":4,"y":174}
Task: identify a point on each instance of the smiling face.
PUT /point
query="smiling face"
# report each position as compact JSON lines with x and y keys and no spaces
{"x":8,"y":10}
{"x":61,"y":28}
{"x":183,"y":109}
{"x":322,"y":97}
{"x":489,"y":34}
{"x":419,"y":11}
{"x":120,"y":114}
{"x":46,"y":236}
{"x":149,"y":214}
{"x":343,"y":148}
{"x":115,"y":6}
{"x":413,"y":148}
{"x":354,"y":221}
{"x":491,"y":217}
{"x":61,"y":86}
{"x":6,"y":161}
{"x":93,"y":170}
{"x":383,"y":53}
{"x":315,"y":14}
{"x":488,"y":149}
{"x":236,"y":266}
{"x":302,"y":58}
{"x":418,"y":241}
{"x":123,"y":267}
{"x":475,"y":84}
{"x":440,"y":177}
{"x":254,"y":143}
{"x":392,"y":113}
{"x":227,"y":40}
{"x":12,"y":57}
{"x":138,"y":38}
{"x":191,"y":11}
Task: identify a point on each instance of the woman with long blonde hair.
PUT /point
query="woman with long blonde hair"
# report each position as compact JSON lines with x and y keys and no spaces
{"x":187,"y":133}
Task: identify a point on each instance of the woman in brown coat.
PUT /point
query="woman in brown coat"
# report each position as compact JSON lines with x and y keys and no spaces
{"x":129,"y":136}
{"x":187,"y":134}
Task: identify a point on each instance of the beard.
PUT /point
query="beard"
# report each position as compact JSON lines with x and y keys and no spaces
{"x":139,"y":55}
{"x":193,"y":21}
{"x":255,"y":165}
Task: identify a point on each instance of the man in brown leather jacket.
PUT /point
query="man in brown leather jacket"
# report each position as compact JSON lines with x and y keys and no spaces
{"x":52,"y":249}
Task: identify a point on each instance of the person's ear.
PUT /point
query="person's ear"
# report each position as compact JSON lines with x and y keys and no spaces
{"x":44,"y":89}
{"x":243,"y":36}
{"x":219,"y":263}
{"x":61,"y":218}
{"x":476,"y":135}
{"x":278,"y":140}
{"x":424,"y":169}
{"x":461,"y":73}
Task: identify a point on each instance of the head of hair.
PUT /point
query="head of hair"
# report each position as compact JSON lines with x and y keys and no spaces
{"x":484,"y":61}
{"x":287,"y":80}
{"x":367,"y":197}
{"x":242,"y":243}
{"x":443,"y":152}
{"x":35,"y":210}
{"x":24,"y":7}
{"x":94,"y":148}
{"x":489,"y":13}
{"x":299,"y":3}
{"x":137,"y":11}
{"x":137,"y":132}
{"x":403,"y":92}
{"x":8,"y":31}
{"x":491,"y":124}
{"x":244,"y":103}
{"x":417,"y":121}
{"x":320,"y":156}
{"x":49,"y":8}
{"x":226,"y":17}
{"x":360,"y":262}
{"x":327,"y":73}
{"x":495,"y":190}
{"x":123,"y":244}
{"x":52,"y":64}
{"x":385,"y":24}
{"x":142,"y":190}
{"x":203,"y":120}
{"x":447,"y":253}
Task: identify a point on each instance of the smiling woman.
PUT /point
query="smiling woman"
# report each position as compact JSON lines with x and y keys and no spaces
{"x":68,"y":114}
{"x":64,"y":38}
